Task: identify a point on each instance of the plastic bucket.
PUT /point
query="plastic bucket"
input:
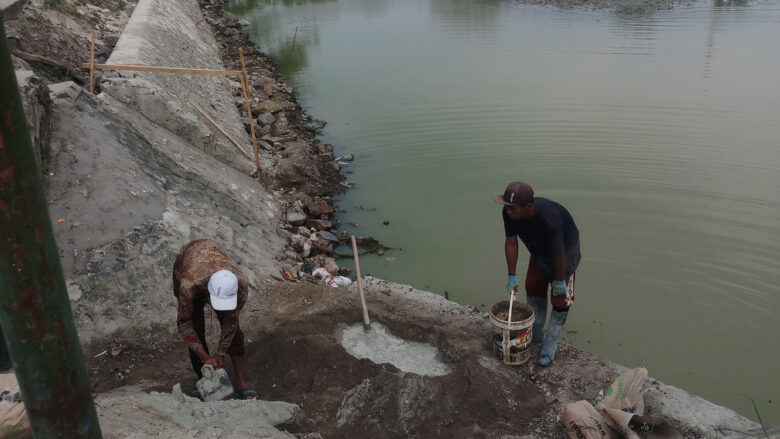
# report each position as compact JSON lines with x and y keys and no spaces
{"x":511,"y":340}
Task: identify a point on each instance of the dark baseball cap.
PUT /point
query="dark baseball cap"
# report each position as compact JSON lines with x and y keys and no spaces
{"x":516,"y":194}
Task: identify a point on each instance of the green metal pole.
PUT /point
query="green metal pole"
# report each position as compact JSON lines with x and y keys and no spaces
{"x":34,"y":307}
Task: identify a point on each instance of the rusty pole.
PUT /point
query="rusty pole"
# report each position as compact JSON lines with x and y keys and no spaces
{"x":35,"y":310}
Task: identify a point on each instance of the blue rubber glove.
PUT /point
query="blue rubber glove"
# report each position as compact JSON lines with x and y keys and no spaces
{"x":558,"y":287}
{"x":512,"y":283}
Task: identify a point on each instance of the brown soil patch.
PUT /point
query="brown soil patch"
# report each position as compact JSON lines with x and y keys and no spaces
{"x":302,"y":362}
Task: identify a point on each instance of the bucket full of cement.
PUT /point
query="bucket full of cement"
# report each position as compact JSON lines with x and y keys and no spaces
{"x":511,"y":340}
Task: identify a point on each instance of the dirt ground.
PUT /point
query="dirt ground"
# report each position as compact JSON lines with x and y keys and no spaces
{"x":293,"y":355}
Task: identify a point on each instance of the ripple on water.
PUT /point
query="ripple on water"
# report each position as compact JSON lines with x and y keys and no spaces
{"x":380,"y":346}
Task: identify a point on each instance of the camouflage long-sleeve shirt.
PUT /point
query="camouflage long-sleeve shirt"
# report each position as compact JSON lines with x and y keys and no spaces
{"x":194,"y":265}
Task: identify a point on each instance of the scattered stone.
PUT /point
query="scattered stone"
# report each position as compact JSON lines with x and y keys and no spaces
{"x":366,"y":241}
{"x":347,"y":158}
{"x":296,"y":219}
{"x":329,"y":236}
{"x":297,"y":242}
{"x":319,"y":208}
{"x":344,"y":236}
{"x":325,"y":149}
{"x":262,"y":81}
{"x":387,"y":223}
{"x":344,"y":271}
{"x":323,"y":246}
{"x":319,"y":224}
{"x":268,"y":106}
{"x":331,"y":266}
{"x":265,"y":118}
{"x":280,"y":126}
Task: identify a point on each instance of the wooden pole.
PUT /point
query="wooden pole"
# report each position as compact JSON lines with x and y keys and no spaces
{"x":142,"y":68}
{"x":221,"y":130}
{"x":92,"y":66}
{"x":366,"y":322}
{"x":245,"y":86}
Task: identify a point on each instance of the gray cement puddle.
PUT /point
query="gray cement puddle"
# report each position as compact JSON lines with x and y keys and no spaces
{"x":380,"y":346}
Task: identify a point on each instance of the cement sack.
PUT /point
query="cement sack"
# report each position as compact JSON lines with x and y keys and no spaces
{"x":582,"y":421}
{"x":13,"y":418}
{"x":626,"y":392}
{"x":633,"y":426}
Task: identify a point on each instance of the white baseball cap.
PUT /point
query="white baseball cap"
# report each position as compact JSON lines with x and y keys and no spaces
{"x":223,"y":289}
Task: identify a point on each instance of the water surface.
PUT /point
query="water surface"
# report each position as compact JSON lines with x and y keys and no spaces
{"x":658,"y":131}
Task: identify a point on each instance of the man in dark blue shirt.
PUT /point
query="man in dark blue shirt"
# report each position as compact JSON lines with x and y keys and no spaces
{"x":550,"y":235}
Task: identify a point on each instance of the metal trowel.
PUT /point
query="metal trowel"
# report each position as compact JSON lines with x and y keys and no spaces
{"x":215,"y":384}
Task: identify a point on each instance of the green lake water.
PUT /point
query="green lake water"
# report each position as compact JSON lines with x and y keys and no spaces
{"x":660,"y":132}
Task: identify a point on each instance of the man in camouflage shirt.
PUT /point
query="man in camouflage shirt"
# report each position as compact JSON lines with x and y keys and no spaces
{"x":204,"y":274}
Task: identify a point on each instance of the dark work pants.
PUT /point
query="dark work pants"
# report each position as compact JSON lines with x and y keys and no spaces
{"x":199,"y":324}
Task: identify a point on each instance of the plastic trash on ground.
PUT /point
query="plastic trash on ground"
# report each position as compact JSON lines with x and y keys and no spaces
{"x":336,"y":282}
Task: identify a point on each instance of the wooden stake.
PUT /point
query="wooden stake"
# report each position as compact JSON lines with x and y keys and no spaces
{"x":142,"y":68}
{"x":221,"y":130}
{"x":92,"y":66}
{"x":245,"y":86}
{"x":366,"y":322}
{"x":211,"y":140}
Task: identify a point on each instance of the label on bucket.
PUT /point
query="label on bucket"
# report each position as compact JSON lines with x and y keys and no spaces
{"x":512,"y":346}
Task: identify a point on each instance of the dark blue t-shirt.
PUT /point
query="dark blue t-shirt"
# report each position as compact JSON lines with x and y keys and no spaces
{"x":546,"y":235}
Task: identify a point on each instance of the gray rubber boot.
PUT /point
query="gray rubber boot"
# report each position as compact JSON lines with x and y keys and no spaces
{"x":539,"y":305}
{"x":557,"y":320}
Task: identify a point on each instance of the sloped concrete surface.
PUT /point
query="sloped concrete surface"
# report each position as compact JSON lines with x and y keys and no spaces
{"x":163,"y":33}
{"x":130,"y":197}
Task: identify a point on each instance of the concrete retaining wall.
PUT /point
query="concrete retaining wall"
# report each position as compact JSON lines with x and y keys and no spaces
{"x":163,"y":33}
